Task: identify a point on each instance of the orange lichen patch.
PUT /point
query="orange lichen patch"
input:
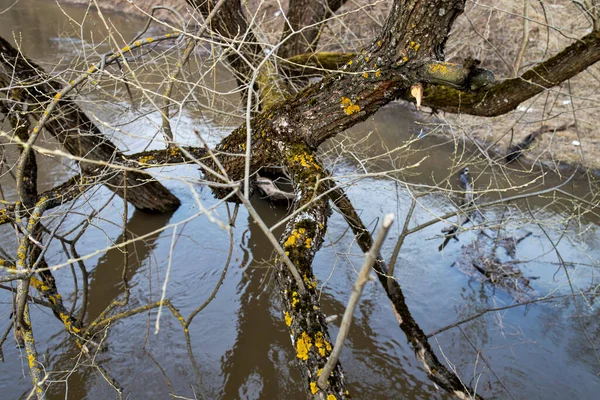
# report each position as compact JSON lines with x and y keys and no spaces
{"x":313,"y":387}
{"x":349,"y":106}
{"x":291,"y":240}
{"x":365,"y":74}
{"x":322,"y":345}
{"x":66,"y":319}
{"x":378,"y":73}
{"x":31,"y":361}
{"x":308,"y":243}
{"x":303,"y":345}
{"x":149,"y":40}
{"x":438,"y":68}
{"x":288,"y":319}
{"x":306,"y":160}
{"x":145,"y":159}
{"x":310,"y":283}
{"x":295,"y":299}
{"x":39,"y":285}
{"x":55,"y":299}
{"x":330,"y":397}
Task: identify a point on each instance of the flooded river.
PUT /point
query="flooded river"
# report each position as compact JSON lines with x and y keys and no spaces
{"x":544,"y":350}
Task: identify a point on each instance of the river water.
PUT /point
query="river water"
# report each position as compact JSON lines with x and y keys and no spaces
{"x":545,"y":350}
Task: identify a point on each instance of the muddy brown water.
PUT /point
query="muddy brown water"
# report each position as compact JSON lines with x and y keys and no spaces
{"x":540,"y":351}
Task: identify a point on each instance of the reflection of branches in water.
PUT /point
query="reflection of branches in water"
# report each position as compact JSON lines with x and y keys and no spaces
{"x":490,"y":310}
{"x":480,"y":259}
{"x":573,"y":292}
{"x":108,"y":292}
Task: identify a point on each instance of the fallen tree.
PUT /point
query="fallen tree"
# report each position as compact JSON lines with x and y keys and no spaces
{"x":286,"y":133}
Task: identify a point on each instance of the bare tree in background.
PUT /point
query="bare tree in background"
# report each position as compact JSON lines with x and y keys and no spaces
{"x":288,"y":99}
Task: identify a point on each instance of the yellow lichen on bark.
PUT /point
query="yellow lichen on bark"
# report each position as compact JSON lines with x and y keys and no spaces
{"x":349,"y":106}
{"x":306,"y":160}
{"x":313,"y":387}
{"x":295,"y":299}
{"x":303,"y":345}
{"x":322,"y":345}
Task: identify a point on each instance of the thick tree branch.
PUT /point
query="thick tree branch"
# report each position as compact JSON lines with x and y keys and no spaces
{"x":506,"y":95}
{"x":312,"y":63}
{"x":302,"y":239}
{"x":76,"y":132}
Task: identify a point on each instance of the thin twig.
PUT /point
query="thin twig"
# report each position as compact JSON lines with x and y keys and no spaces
{"x":363,"y":276}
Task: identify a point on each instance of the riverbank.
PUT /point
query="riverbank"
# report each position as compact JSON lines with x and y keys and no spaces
{"x":505,"y":43}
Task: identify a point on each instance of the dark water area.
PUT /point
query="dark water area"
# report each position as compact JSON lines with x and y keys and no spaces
{"x":545,"y":350}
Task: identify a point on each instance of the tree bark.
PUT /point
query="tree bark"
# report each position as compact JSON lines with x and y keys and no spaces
{"x":506,"y":95}
{"x":78,"y":135}
{"x":302,"y":239}
{"x":379,"y":74}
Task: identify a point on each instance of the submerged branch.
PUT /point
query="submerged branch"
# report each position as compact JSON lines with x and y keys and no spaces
{"x":436,"y":371}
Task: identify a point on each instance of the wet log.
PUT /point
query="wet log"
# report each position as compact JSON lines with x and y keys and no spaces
{"x":78,"y":134}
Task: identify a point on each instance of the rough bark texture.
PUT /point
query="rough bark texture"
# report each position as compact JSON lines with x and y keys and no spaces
{"x":379,"y":74}
{"x":303,"y":237}
{"x":78,"y":135}
{"x":231,"y":24}
{"x":315,"y":63}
